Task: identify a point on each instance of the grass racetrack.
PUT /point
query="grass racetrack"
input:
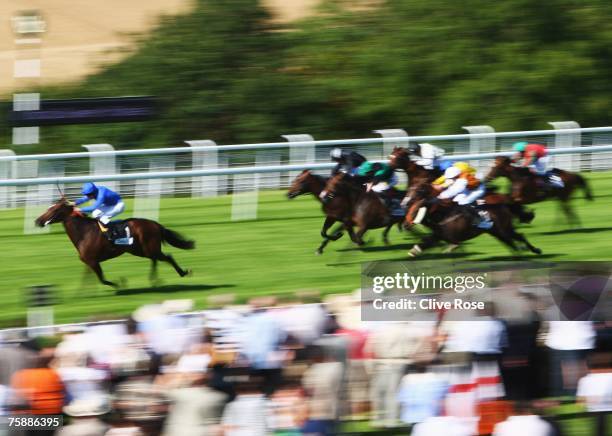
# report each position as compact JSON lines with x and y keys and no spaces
{"x":271,"y":255}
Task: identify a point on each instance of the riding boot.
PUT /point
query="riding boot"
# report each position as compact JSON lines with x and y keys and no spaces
{"x":481,"y":218}
{"x":106,"y":230}
{"x":392,"y":203}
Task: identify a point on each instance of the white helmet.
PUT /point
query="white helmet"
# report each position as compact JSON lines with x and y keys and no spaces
{"x":452,"y":172}
{"x":336,"y":153}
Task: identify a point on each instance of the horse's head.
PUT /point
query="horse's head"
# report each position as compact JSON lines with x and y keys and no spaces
{"x":399,"y":158}
{"x":56,"y":213}
{"x":502,"y":167}
{"x":335,"y":185}
{"x":300,"y":185}
{"x":415,"y":199}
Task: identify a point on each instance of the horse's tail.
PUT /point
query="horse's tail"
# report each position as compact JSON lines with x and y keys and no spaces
{"x":582,"y":182}
{"x":176,"y":240}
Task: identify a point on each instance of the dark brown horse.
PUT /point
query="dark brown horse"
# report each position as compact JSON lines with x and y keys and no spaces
{"x":526,"y":188}
{"x":367,"y":209}
{"x":399,"y":159}
{"x":94,"y":247}
{"x":455,"y":224}
{"x":336,"y":210}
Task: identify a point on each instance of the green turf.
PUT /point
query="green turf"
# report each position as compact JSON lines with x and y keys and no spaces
{"x":274,"y":254}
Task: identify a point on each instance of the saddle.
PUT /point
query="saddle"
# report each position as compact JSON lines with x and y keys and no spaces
{"x":391,"y":198}
{"x":118,"y":232}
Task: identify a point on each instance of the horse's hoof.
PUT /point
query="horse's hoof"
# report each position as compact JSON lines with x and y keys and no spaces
{"x":319,"y":252}
{"x":537,"y":251}
{"x":415,"y":251}
{"x":187,"y":272}
{"x":450,"y":248}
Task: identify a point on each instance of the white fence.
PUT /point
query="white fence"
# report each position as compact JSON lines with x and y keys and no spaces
{"x":204,"y":169}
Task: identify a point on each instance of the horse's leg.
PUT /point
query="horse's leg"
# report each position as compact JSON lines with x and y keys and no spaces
{"x":95,"y":267}
{"x":520,"y":237}
{"x":153,"y":276}
{"x":504,"y":238}
{"x":568,"y":210}
{"x":168,"y":258}
{"x":359,"y":235}
{"x":386,"y":233}
{"x":326,"y":225}
{"x":426,"y":242}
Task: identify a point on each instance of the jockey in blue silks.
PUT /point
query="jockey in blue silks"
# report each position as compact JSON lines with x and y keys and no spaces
{"x":107,"y":203}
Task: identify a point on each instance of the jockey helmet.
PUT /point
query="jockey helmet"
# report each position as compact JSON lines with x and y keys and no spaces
{"x":414,"y":148}
{"x":89,"y":188}
{"x":336,"y":153}
{"x":445,"y":164}
{"x":452,"y":172}
{"x":519,"y":146}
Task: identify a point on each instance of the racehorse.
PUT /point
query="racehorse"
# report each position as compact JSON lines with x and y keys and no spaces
{"x":525,"y":188}
{"x":399,"y":159}
{"x":454,"y":224}
{"x":93,"y":247}
{"x":368,"y":211}
{"x":336,"y":210}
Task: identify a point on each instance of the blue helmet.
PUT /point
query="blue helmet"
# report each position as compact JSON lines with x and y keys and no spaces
{"x":89,"y":188}
{"x":445,"y":164}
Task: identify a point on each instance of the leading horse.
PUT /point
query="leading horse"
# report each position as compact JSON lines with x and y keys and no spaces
{"x":337,"y":210}
{"x":93,"y":247}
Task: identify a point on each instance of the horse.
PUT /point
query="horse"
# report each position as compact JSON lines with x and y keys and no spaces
{"x":525,"y":190}
{"x":399,"y":159}
{"x":93,"y":247}
{"x":336,"y":210}
{"x":454,"y":224}
{"x":368,"y":211}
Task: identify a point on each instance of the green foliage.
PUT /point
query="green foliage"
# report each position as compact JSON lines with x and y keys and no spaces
{"x":224,"y":72}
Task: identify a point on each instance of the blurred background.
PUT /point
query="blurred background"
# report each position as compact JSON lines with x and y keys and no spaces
{"x":241,"y":71}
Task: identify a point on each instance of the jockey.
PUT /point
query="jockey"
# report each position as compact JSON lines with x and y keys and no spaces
{"x":535,"y":157}
{"x":381,"y":179}
{"x":460,"y":184}
{"x":426,"y":155}
{"x":107,"y":204}
{"x":347,"y":161}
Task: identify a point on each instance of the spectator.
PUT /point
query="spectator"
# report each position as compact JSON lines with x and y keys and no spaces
{"x":321,"y":383}
{"x":524,"y":422}
{"x":421,"y":395}
{"x":262,"y":345}
{"x":569,"y":343}
{"x":286,"y":409}
{"x":40,"y":387}
{"x":393,"y":347}
{"x":247,"y":415}
{"x":85,"y":416}
{"x":195,"y":410}
{"x":595,"y":388}
{"x":443,"y":425}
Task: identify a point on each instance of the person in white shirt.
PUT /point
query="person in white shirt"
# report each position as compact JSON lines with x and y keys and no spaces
{"x":426,"y":154}
{"x":595,"y":388}
{"x":248,"y":414}
{"x":444,"y":425}
{"x":569,"y":343}
{"x":523,"y":423}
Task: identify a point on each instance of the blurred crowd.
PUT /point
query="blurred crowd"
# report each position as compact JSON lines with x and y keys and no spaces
{"x":306,"y":368}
